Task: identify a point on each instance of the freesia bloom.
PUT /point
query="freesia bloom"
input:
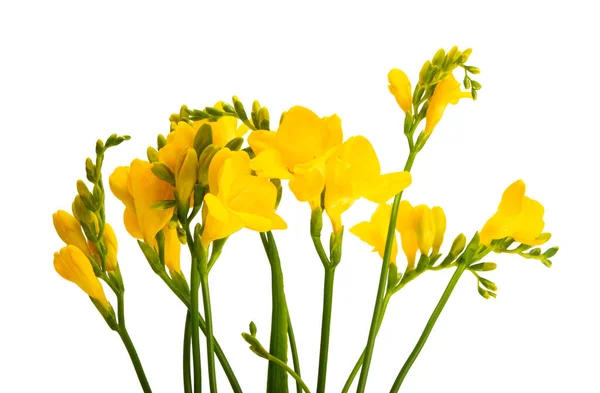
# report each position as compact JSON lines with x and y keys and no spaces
{"x":69,"y":230}
{"x":518,"y":216}
{"x":138,"y":188}
{"x":421,"y":228}
{"x":110,"y":241}
{"x":297,"y":151}
{"x":446,"y":92}
{"x":73,"y":265}
{"x":354,"y":172}
{"x":236,"y":199}
{"x":401,"y":89}
{"x":374,"y":232}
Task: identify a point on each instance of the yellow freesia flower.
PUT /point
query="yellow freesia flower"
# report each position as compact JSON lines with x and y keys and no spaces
{"x":237,"y":199}
{"x":421,"y":228}
{"x":186,"y":173}
{"x":446,"y":92}
{"x":374,"y":232}
{"x":401,"y":89}
{"x":223,"y":130}
{"x":518,"y":216}
{"x":73,"y":265}
{"x":352,"y":172}
{"x":172,"y":249}
{"x":110,"y":241}
{"x":69,"y":230}
{"x":297,"y":151}
{"x":138,"y":188}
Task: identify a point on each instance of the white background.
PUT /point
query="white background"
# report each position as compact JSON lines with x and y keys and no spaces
{"x":71,"y":72}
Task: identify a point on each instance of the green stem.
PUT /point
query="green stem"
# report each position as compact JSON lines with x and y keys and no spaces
{"x":187,"y":375}
{"x":195,"y":284}
{"x":294,"y":350}
{"x":235,"y":385}
{"x":135,"y":359}
{"x":325,"y":328}
{"x":430,"y":324}
{"x":359,"y":362}
{"x":362,"y":382}
{"x":210,"y":340}
{"x":277,"y":379}
{"x":283,"y":366}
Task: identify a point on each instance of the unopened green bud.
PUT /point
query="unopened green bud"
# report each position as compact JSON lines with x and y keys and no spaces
{"x":550,"y":252}
{"x":181,"y":235}
{"x":152,"y":257}
{"x":474,"y":94}
{"x":239,"y":109}
{"x":282,"y":116}
{"x":184,"y":112}
{"x":316,"y":222}
{"x":335,"y":246}
{"x":476,"y":85}
{"x":488,"y":284}
{"x":235,"y":144}
{"x":186,"y":173}
{"x":203,"y":138}
{"x":424,"y":71}
{"x":86,"y":196}
{"x":163,"y":172}
{"x":438,"y":58}
{"x":174,"y":118}
{"x":465,"y":55}
{"x":204,"y":163}
{"x":392,"y":276}
{"x":82,"y":213}
{"x":90,"y":170}
{"x":152,"y":154}
{"x":535,"y":252}
{"x":472,"y":70}
{"x":264,"y":119}
{"x":483,"y":292}
{"x":451,"y":55}
{"x":172,"y":126}
{"x":213,"y":111}
{"x":256,"y":114}
{"x":227,"y":108}
{"x":483,"y":267}
{"x":467,"y":82}
{"x":99,"y":147}
{"x":161,"y":141}
{"x":252,"y":329}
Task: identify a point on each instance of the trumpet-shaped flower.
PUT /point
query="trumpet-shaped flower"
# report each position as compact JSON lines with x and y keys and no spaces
{"x":237,"y":199}
{"x":297,"y":151}
{"x":69,"y":230}
{"x":400,"y":87}
{"x":374,"y":232}
{"x":73,"y":265}
{"x":138,"y":188}
{"x":446,"y":92}
{"x":352,"y":172}
{"x":421,"y":228}
{"x":518,"y":216}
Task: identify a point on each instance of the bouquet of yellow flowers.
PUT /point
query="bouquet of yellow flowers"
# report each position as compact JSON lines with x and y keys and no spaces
{"x":219,"y":170}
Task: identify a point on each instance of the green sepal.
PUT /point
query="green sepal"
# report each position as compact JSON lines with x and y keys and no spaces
{"x":163,"y":205}
{"x":115,"y":140}
{"x":335,"y":247}
{"x":107,"y":313}
{"x":549,"y":253}
{"x":203,"y":138}
{"x":235,"y":144}
{"x":180,"y":282}
{"x":161,"y":141}
{"x":204,"y":163}
{"x":487,"y":284}
{"x":249,"y":151}
{"x":90,"y":170}
{"x":239,"y":109}
{"x":214,"y":111}
{"x":86,"y":197}
{"x":163,"y":172}
{"x":483,"y":267}
{"x":422,"y":263}
{"x":152,"y":257}
{"x":392,"y":276}
{"x":152,"y":154}
{"x":316,"y":222}
{"x":439,"y":57}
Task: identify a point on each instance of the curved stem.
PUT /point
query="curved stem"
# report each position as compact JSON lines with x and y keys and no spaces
{"x":362,"y":382}
{"x":430,"y":324}
{"x":294,"y":350}
{"x":325,"y":327}
{"x":195,"y":284}
{"x":286,"y":368}
{"x":359,"y":362}
{"x":135,"y":359}
{"x":210,"y":340}
{"x":187,"y":375}
{"x":321,"y":251}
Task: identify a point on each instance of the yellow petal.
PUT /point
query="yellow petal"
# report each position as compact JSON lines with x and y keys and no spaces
{"x":69,"y":230}
{"x":215,"y":167}
{"x":405,"y":221}
{"x":261,"y":140}
{"x":261,"y":223}
{"x":307,"y":186}
{"x":440,"y":227}
{"x":446,"y":92}
{"x":424,"y":228}
{"x":224,"y":130}
{"x":72,"y":264}
{"x":512,"y":199}
{"x":384,"y":187}
{"x":172,"y":249}
{"x":251,"y":194}
{"x":375,"y":231}
{"x":269,"y":163}
{"x":220,"y":222}
{"x":131,"y":223}
{"x":179,"y":139}
{"x":235,"y":167}
{"x":401,"y":89}
{"x":147,"y":189}
{"x":119,"y":185}
{"x":112,"y":246}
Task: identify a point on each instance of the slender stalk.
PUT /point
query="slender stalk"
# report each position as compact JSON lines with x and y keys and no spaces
{"x":277,"y":379}
{"x":283,"y":366}
{"x":210,"y":340}
{"x":430,"y":324}
{"x":235,"y":385}
{"x":377,"y":312}
{"x":187,"y":375}
{"x":195,"y":284}
{"x":135,"y":359}
{"x":325,"y":327}
{"x":359,"y":362}
{"x":294,"y":350}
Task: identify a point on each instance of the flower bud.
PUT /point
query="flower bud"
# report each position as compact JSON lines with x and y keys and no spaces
{"x":163,"y":172}
{"x":69,"y":230}
{"x":186,"y":173}
{"x":440,"y":228}
{"x":203,"y":138}
{"x":204,"y":163}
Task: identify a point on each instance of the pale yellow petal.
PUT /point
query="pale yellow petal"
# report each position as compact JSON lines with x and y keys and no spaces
{"x":262,"y":140}
{"x":269,"y":163}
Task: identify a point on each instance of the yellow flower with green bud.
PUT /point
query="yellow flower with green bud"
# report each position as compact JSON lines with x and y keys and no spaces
{"x":374,"y":232}
{"x":447,"y":91}
{"x":237,"y":199}
{"x":518,"y":216}
{"x":69,"y":230}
